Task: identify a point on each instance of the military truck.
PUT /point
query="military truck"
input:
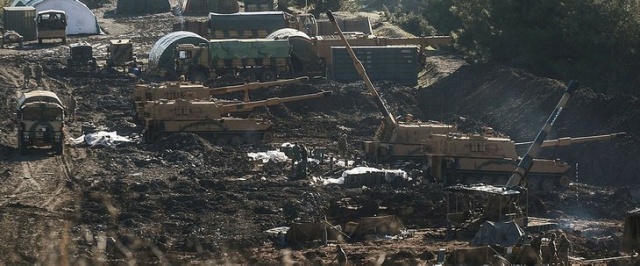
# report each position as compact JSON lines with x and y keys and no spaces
{"x":81,"y":57}
{"x":212,"y":118}
{"x":251,"y":59}
{"x":144,"y":93}
{"x":40,"y":116}
{"x":52,"y":24}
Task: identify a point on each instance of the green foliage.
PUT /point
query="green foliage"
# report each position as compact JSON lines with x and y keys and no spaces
{"x":414,"y":24}
{"x":595,"y":41}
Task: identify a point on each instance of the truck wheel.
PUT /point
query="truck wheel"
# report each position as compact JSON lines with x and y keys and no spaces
{"x":248,"y":76}
{"x":268,"y":75}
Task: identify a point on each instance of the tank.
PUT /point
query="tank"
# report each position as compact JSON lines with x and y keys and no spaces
{"x":212,"y":118}
{"x":143,"y":93}
{"x":451,"y":156}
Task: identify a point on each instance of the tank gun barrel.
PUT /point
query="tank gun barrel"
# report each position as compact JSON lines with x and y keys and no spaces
{"x":568,"y":140}
{"x":249,"y":106}
{"x":255,"y":85}
{"x":363,"y":73}
{"x":518,"y":176}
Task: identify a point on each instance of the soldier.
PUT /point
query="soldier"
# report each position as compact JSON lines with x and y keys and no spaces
{"x":564,"y":248}
{"x":37,"y":74}
{"x":302,"y":166}
{"x":536,"y":243}
{"x":295,"y":151}
{"x":26,"y":72}
{"x":71,"y":108}
{"x":342,"y":256}
{"x":553,"y":258}
{"x":342,"y":148}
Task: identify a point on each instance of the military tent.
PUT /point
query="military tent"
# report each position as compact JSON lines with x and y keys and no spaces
{"x":162,"y":55}
{"x":631,"y":233}
{"x":495,"y":233}
{"x":203,"y":7}
{"x":142,"y":6}
{"x":80,"y":19}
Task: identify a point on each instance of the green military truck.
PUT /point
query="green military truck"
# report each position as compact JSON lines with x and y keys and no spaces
{"x":251,"y":59}
{"x":40,"y":116}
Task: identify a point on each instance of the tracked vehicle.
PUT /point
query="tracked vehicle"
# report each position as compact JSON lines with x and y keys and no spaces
{"x":143,"y":93}
{"x":212,"y":118}
{"x":450,"y":156}
{"x":40,"y":116}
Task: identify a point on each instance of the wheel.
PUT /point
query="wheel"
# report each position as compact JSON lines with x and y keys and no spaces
{"x":64,"y":40}
{"x":268,"y":75}
{"x":267,"y":137}
{"x":22,"y":147}
{"x":248,"y":75}
{"x":197,"y":76}
{"x":39,"y":41}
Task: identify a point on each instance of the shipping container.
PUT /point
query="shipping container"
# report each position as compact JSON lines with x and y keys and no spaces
{"x":22,"y":20}
{"x":393,"y":63}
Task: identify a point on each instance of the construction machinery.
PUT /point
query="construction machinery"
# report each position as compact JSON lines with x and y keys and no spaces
{"x":251,"y":59}
{"x":81,"y":57}
{"x":144,"y":93}
{"x":10,"y":36}
{"x":52,"y":24}
{"x":212,"y":118}
{"x":40,"y":116}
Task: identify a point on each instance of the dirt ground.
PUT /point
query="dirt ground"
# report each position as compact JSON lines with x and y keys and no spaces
{"x":185,"y":200}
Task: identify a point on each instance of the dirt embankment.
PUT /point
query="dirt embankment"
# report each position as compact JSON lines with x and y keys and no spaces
{"x":518,"y":104}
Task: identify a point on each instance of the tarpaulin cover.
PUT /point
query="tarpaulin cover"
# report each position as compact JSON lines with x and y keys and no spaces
{"x":163,"y":53}
{"x":80,"y":19}
{"x":493,"y":233}
{"x":102,"y":138}
{"x":249,"y":48}
{"x":263,"y":20}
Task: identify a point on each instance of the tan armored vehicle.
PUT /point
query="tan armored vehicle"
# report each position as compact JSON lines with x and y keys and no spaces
{"x":452,"y":157}
{"x":40,"y":116}
{"x":143,"y":93}
{"x":212,"y":118}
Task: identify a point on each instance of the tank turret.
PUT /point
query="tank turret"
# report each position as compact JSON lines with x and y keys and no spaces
{"x":212,"y":117}
{"x":176,"y":90}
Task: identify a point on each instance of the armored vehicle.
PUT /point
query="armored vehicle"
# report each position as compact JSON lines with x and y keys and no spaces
{"x":450,"y":156}
{"x":52,"y":24}
{"x":40,"y":116}
{"x":81,"y":57}
{"x":143,"y":93}
{"x":212,"y":118}
{"x":10,"y":36}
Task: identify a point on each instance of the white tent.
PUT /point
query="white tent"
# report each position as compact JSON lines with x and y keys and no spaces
{"x":80,"y":19}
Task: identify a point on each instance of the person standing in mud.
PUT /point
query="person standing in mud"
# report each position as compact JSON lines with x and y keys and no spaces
{"x":564,"y":248}
{"x":26,"y":73}
{"x":343,"y":148}
{"x":536,"y":243}
{"x":37,"y":74}
{"x":295,"y":152}
{"x":553,"y":250}
{"x":302,"y":166}
{"x":71,"y":108}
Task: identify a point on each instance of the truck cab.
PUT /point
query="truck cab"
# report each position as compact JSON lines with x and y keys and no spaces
{"x":40,"y":116}
{"x":193,"y":61}
{"x":52,"y":24}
